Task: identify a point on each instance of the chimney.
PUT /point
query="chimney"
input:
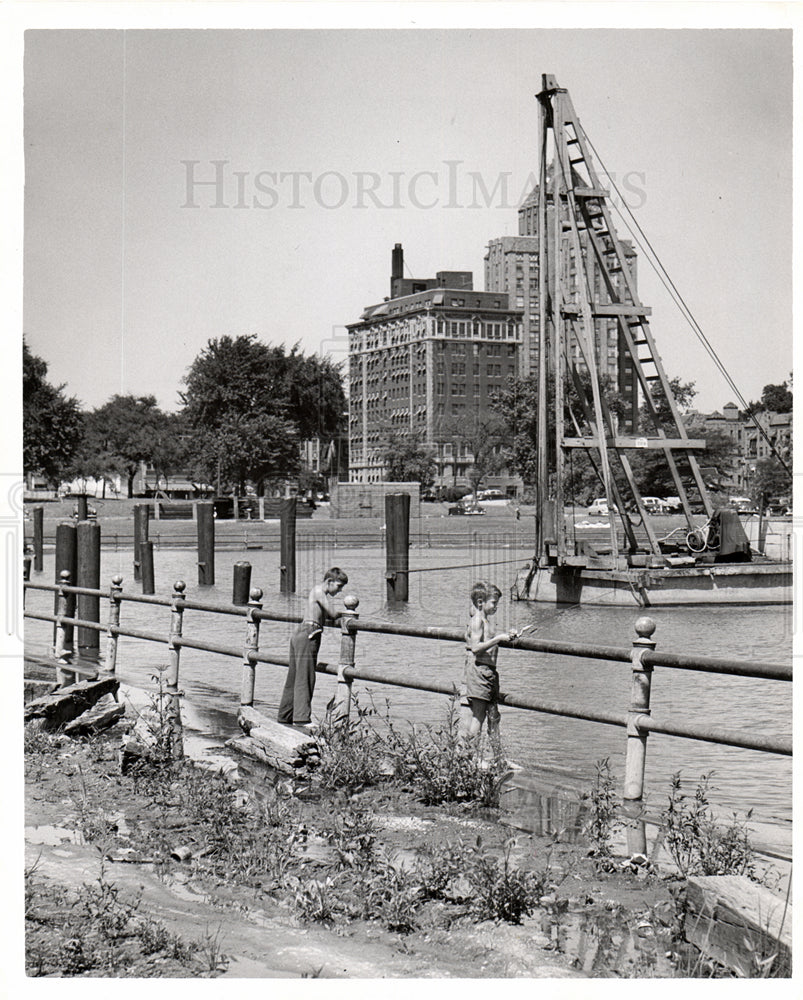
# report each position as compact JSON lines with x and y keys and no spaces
{"x":396,"y":268}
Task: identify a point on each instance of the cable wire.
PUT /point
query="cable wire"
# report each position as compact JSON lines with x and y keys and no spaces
{"x":675,"y":294}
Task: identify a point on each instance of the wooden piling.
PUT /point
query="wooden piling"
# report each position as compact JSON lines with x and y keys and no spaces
{"x":146,"y":559}
{"x":38,"y":538}
{"x":87,"y":535}
{"x":397,"y":545}
{"x":636,"y":754}
{"x":287,"y":558}
{"x":83,"y":507}
{"x":141,"y":528}
{"x":241,"y":583}
{"x":66,"y":559}
{"x":206,"y":543}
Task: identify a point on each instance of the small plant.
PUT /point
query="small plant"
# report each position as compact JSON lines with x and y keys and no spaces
{"x":209,"y":949}
{"x":352,"y":835}
{"x":441,"y":767}
{"x":698,"y":844}
{"x":391,"y":894}
{"x":500,"y":891}
{"x":602,"y":820}
{"x":351,"y":752}
{"x":314,"y":899}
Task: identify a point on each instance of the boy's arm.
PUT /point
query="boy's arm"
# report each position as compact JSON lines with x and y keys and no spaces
{"x":328,"y":607}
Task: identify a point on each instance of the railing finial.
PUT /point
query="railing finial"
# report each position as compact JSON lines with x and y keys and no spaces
{"x":644,"y":627}
{"x":255,"y":594}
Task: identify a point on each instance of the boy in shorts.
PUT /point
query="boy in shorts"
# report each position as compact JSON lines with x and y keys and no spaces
{"x":481,"y":680}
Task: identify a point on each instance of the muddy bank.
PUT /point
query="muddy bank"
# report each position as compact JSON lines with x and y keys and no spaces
{"x":270,"y":877}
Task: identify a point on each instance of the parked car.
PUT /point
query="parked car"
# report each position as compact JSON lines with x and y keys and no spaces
{"x":742,"y":505}
{"x":492,"y":495}
{"x":655,"y":505}
{"x":466,"y":508}
{"x":601,"y":506}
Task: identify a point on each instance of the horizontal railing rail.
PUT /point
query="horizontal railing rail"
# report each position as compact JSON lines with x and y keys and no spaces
{"x":642,"y":657}
{"x":590,"y":651}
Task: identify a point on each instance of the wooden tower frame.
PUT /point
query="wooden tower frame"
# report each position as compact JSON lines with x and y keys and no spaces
{"x":575,"y":227}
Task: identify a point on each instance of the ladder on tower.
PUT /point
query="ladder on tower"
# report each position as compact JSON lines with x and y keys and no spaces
{"x":581,"y":232}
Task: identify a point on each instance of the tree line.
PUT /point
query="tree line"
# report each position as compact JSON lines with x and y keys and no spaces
{"x":505,"y":436}
{"x":245,"y":408}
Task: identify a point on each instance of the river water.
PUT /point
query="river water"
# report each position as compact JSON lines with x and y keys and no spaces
{"x":742,"y":779}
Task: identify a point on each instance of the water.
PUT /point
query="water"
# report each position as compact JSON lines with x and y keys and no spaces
{"x":742,"y":779}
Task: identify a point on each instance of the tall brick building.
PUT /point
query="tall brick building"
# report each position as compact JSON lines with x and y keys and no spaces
{"x":511,"y":265}
{"x":422,"y":361}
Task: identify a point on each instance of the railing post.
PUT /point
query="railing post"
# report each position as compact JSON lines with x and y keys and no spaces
{"x":174,"y":649}
{"x":341,"y":703}
{"x":636,"y":756}
{"x":251,"y":646}
{"x":63,"y":648}
{"x":110,"y":666}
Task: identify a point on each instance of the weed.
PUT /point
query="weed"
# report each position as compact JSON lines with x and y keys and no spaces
{"x":314,"y":899}
{"x":439,"y":872}
{"x":441,"y":767}
{"x":392,"y":895}
{"x":602,"y":821}
{"x":351,"y":752}
{"x":209,"y":949}
{"x":500,"y":891}
{"x":95,"y":825}
{"x":352,"y":834}
{"x":38,"y":741}
{"x":698,"y":844}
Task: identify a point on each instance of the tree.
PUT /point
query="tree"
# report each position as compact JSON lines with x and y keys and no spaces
{"x":242,"y":377}
{"x":483,"y":434}
{"x":242,"y":449}
{"x":52,"y":423}
{"x":408,"y":460}
{"x":771,"y":479}
{"x":123,"y":433}
{"x":777,"y":398}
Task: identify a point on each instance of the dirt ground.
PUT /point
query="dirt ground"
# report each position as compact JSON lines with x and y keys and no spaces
{"x":122,"y":881}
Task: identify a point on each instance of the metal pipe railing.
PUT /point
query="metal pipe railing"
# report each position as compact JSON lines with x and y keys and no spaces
{"x":637,"y":720}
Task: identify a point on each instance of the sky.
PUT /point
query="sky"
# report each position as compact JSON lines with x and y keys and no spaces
{"x":182,"y":185}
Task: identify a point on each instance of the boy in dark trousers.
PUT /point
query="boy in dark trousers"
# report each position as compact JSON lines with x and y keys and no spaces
{"x":295,"y":708}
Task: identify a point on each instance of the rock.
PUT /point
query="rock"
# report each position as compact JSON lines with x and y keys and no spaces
{"x":103,"y":715}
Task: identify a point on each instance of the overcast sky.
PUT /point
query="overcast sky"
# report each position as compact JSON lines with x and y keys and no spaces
{"x":130,"y":266}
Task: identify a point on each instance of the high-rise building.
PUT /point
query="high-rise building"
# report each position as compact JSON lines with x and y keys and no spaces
{"x":424,"y":362}
{"x":511,"y":265}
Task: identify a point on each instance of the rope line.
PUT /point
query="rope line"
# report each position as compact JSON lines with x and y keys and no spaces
{"x":474,"y":565}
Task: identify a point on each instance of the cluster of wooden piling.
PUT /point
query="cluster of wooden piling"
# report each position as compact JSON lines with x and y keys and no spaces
{"x":78,"y":553}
